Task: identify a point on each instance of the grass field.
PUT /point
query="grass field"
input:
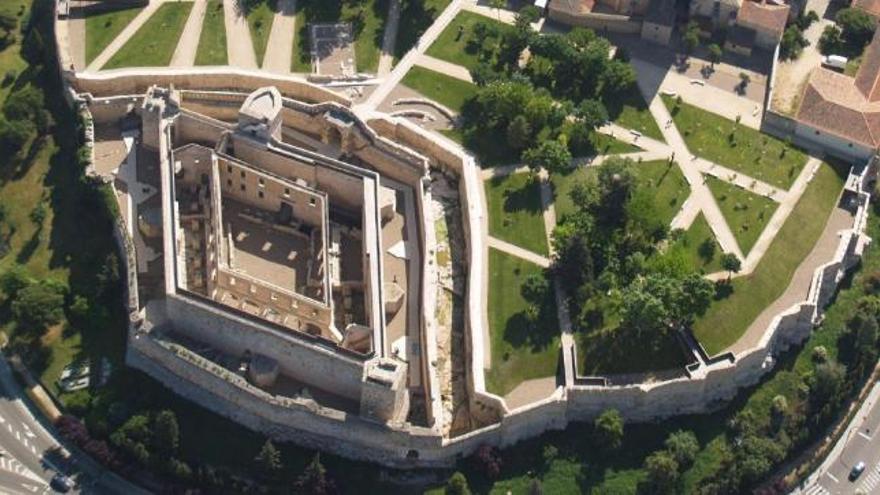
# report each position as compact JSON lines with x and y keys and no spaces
{"x":452,"y":47}
{"x":101,"y":29}
{"x":632,"y":112}
{"x":212,"y":43}
{"x":515,"y":213}
{"x":259,"y":18}
{"x":416,"y":16}
{"x":368,"y":23}
{"x":697,"y":245}
{"x":746,"y":213}
{"x":666,"y":183}
{"x":154,"y":43}
{"x":727,"y":319}
{"x":441,"y":88}
{"x":521,"y":350}
{"x":737,"y":147}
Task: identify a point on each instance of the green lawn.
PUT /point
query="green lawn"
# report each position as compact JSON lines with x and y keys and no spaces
{"x":746,"y":213}
{"x":101,"y":29}
{"x":212,"y":43}
{"x":521,"y":349}
{"x":607,"y":145}
{"x":697,"y":245}
{"x":666,"y":183}
{"x":737,"y":147}
{"x":452,"y":47}
{"x":368,"y":23}
{"x":259,"y":19}
{"x":515,"y":215}
{"x":154,"y":43}
{"x":727,"y":319}
{"x":631,"y":111}
{"x":441,"y":88}
{"x":611,"y":351}
{"x":416,"y":16}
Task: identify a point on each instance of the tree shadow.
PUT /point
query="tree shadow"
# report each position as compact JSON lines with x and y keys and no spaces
{"x":526,"y":198}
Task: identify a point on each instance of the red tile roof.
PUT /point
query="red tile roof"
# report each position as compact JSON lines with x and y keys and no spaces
{"x":762,"y":15}
{"x":870,"y":6}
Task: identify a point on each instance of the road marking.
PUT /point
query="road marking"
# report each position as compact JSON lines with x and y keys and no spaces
{"x":871,"y":479}
{"x":30,"y":488}
{"x":833,"y":478}
{"x":866,"y":437}
{"x":816,"y":489}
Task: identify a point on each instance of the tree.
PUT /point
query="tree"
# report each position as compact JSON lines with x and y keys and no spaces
{"x":314,"y":479}
{"x":487,"y":460}
{"x":39,"y":305}
{"x":14,"y":280}
{"x":731,"y":263}
{"x":535,"y":288}
{"x":857,"y":28}
{"x":744,"y":80}
{"x":662,"y":469}
{"x":831,"y":40}
{"x":608,"y":428}
{"x":714,"y":54}
{"x":498,"y":5}
{"x":592,"y":114}
{"x":269,"y":459}
{"x":526,"y":16}
{"x":167,"y":432}
{"x":683,"y":446}
{"x":826,"y":383}
{"x":691,"y":37}
{"x":519,"y":133}
{"x":617,"y":78}
{"x":14,"y":135}
{"x":552,"y":156}
{"x":457,"y":485}
{"x":793,"y":43}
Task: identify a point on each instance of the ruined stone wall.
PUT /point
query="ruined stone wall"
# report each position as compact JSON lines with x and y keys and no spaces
{"x":112,"y":109}
{"x":137,"y":81}
{"x":194,"y":128}
{"x":322,"y":365}
{"x":599,"y":22}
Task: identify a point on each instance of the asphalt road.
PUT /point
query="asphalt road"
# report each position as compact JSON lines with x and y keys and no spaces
{"x":860,"y":443}
{"x":31,"y":455}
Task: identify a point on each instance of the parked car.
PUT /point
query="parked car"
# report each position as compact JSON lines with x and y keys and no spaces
{"x":857,"y":471}
{"x":61,"y":483}
{"x":835,"y":61}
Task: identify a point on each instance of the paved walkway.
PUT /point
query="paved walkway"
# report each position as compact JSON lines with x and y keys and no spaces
{"x":514,"y":250}
{"x":188,"y":45}
{"x":76,"y":38}
{"x":395,"y":76}
{"x":389,"y":39}
{"x":124,"y":36}
{"x":239,"y":46}
{"x":701,"y":197}
{"x":799,"y":286}
{"x":279,"y":49}
{"x":444,"y":67}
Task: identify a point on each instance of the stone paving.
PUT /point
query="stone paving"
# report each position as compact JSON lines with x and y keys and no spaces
{"x":185,"y":53}
{"x":239,"y":46}
{"x":279,"y":49}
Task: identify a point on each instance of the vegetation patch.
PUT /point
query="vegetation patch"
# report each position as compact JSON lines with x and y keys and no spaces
{"x":736,"y":146}
{"x":463,"y":42}
{"x":746,"y":213}
{"x":698,"y":246}
{"x":443,"y":89}
{"x":260,"y":16}
{"x":630,"y":111}
{"x":102,"y":29}
{"x":515,"y":213}
{"x":416,"y":16}
{"x":212,"y":43}
{"x":660,"y":178}
{"x":729,"y":317}
{"x":523,"y":325}
{"x":154,"y":43}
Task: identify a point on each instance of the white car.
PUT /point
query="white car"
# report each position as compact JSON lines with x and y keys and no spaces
{"x":835,"y":61}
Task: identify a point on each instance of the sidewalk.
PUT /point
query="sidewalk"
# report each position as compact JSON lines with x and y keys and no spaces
{"x":125,"y":35}
{"x":188,"y":45}
{"x":239,"y":46}
{"x":279,"y":49}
